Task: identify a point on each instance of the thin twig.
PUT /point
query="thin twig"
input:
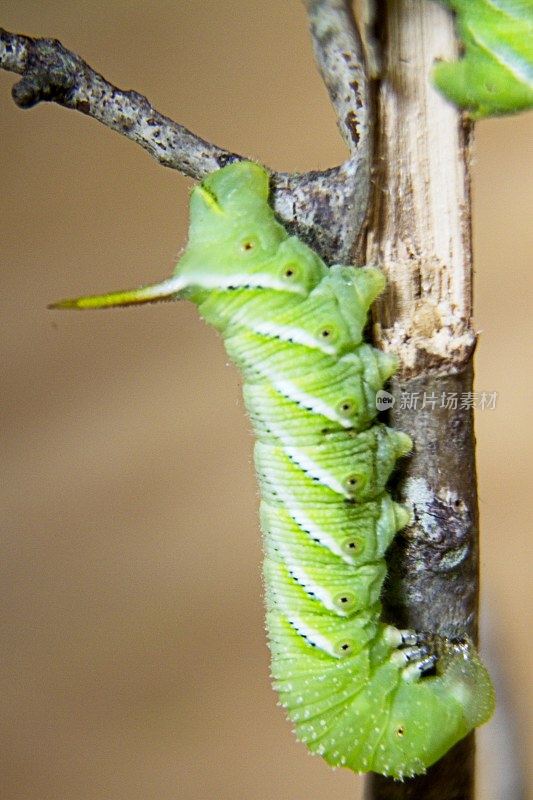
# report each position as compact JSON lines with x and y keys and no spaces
{"x":340,"y":58}
{"x":314,"y":205}
{"x":52,"y":73}
{"x":339,"y":55}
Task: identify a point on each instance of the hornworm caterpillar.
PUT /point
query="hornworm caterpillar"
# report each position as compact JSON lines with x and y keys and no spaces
{"x":361,"y":693}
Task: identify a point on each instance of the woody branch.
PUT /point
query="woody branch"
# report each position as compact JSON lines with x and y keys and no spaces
{"x":312,"y":204}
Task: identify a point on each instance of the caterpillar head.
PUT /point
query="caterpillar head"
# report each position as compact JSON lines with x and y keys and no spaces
{"x":237,"y":192}
{"x":235,"y":240}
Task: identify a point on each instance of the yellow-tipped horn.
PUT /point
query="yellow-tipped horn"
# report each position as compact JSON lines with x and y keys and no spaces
{"x":165,"y":290}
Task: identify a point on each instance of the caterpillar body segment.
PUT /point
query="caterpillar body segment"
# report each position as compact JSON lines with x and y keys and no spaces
{"x":355,"y":688}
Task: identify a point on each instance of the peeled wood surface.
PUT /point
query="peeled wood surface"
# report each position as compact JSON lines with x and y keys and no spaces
{"x":420,"y":227}
{"x":419,"y":234}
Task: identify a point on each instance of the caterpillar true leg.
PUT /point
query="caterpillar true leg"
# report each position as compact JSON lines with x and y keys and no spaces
{"x":356,"y":689}
{"x":409,"y":637}
{"x":416,"y":669}
{"x":408,"y":654}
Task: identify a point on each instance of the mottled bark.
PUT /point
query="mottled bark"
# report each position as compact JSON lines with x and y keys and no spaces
{"x":339,"y":55}
{"x":432,"y":582}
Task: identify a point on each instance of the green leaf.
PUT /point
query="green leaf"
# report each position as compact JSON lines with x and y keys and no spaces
{"x":495,"y":74}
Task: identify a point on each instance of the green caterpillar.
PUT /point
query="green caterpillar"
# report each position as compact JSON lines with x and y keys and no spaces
{"x":495,"y":72}
{"x":357,"y":690}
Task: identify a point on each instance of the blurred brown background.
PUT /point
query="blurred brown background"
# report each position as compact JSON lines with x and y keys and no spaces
{"x":134,"y":657}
